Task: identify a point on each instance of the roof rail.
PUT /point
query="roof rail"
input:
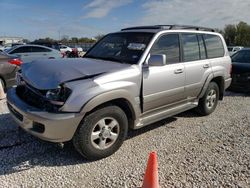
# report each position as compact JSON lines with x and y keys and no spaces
{"x":162,"y":27}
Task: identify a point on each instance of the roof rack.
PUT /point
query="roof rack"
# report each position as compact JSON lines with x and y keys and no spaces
{"x":169,"y":27}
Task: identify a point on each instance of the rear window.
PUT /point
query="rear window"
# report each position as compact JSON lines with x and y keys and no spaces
{"x":214,"y":46}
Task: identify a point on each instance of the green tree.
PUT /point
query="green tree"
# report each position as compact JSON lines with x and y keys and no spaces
{"x":243,"y":34}
{"x":230,"y":33}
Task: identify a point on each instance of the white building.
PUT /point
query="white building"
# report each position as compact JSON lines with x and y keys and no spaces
{"x":6,"y":40}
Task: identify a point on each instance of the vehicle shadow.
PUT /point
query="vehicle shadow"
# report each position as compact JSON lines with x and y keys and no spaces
{"x":20,"y":151}
{"x":236,"y":94}
{"x":148,"y":128}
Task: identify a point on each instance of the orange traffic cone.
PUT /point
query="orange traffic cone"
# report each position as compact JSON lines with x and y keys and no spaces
{"x":151,"y":179}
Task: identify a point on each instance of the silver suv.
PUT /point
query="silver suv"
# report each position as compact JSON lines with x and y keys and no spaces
{"x":128,"y":80}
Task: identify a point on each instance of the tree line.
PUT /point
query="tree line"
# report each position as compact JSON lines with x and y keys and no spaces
{"x":234,"y":34}
{"x":237,"y":35}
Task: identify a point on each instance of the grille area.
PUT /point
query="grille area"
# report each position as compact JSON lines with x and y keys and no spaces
{"x":35,"y":98}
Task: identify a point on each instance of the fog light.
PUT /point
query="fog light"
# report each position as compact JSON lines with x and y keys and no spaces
{"x":38,"y":127}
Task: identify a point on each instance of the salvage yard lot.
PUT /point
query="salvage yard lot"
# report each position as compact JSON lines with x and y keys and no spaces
{"x":192,"y":151}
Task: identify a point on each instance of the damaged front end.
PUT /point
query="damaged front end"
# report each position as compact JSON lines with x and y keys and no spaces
{"x":50,"y":100}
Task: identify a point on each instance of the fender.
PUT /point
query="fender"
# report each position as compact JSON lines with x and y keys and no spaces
{"x":208,"y":80}
{"x":109,"y":96}
{"x":204,"y":88}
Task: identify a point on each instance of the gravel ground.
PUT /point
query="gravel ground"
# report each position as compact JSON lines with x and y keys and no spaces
{"x":193,"y":151}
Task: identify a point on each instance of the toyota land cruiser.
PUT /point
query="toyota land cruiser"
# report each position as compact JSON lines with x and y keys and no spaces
{"x":127,"y":80}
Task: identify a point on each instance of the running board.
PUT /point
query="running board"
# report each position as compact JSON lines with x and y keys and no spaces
{"x":158,"y":115}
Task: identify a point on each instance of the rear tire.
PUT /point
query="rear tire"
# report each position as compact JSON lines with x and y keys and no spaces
{"x":101,"y":133}
{"x":209,"y":101}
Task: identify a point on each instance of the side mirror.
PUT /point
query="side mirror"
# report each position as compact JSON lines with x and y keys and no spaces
{"x":157,"y":60}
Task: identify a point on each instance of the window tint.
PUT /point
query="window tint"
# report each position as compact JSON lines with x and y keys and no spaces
{"x":242,"y":56}
{"x":190,"y":47}
{"x":214,"y":46}
{"x":168,"y":45}
{"x":24,"y":49}
{"x":39,"y":49}
{"x":202,"y":47}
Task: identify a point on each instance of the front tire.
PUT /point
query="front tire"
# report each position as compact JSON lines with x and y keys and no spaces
{"x":101,"y":133}
{"x":209,"y":101}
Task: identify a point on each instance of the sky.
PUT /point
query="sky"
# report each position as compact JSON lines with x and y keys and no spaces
{"x":34,"y":19}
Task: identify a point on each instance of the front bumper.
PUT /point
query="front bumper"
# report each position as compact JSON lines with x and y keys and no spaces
{"x":54,"y":127}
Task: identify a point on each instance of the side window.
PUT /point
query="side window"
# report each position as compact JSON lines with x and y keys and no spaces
{"x":24,"y":49}
{"x":214,"y":46}
{"x":190,"y":47}
{"x":202,"y":47}
{"x":39,"y":49}
{"x":168,"y":45}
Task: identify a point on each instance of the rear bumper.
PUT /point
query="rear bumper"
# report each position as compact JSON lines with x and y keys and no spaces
{"x":54,"y":127}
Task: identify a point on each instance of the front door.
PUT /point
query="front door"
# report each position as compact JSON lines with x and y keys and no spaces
{"x":164,"y":85}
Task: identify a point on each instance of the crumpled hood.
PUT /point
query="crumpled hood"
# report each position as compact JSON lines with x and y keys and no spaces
{"x":48,"y":74}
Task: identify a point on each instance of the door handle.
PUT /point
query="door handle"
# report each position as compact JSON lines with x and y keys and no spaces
{"x":178,"y":71}
{"x":206,"y":66}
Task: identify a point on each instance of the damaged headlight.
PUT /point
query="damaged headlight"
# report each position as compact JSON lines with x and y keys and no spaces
{"x":58,"y":96}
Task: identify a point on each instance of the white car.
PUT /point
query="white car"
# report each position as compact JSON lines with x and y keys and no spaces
{"x":233,"y":49}
{"x":64,"y":49}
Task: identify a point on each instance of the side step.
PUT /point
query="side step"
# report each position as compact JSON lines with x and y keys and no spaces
{"x":160,"y":114}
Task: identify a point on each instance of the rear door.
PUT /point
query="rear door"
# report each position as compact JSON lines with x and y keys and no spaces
{"x":196,"y":64}
{"x":164,"y":85}
{"x":40,"y":52}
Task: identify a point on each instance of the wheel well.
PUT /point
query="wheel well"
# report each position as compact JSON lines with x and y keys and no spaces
{"x":124,"y":105}
{"x":220,"y":82}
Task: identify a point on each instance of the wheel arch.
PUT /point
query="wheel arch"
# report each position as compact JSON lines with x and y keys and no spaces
{"x":121,"y":99}
{"x":219,"y":80}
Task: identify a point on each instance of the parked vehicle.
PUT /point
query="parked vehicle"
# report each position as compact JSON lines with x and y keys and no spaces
{"x":128,"y":80}
{"x":31,"y":52}
{"x":53,"y":45}
{"x":64,"y":49}
{"x":233,"y":49}
{"x":241,"y":71}
{"x":9,"y":46}
{"x":9,"y":64}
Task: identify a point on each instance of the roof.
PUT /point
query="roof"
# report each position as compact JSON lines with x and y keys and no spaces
{"x":156,"y":28}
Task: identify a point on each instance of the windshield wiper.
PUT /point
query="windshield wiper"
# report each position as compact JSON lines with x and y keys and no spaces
{"x":112,"y":59}
{"x":107,"y":59}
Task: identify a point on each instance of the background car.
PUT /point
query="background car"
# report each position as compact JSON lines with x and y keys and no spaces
{"x":241,"y":71}
{"x":9,"y":64}
{"x":64,"y":49}
{"x":233,"y":49}
{"x":9,"y":46}
{"x":32,"y":52}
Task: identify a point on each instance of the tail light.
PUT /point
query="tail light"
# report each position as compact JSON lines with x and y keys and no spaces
{"x":17,"y":62}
